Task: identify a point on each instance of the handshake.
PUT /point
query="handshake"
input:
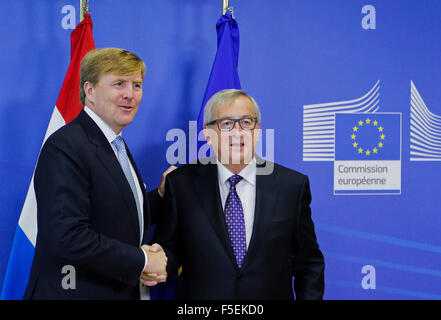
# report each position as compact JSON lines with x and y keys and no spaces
{"x":155,"y":271}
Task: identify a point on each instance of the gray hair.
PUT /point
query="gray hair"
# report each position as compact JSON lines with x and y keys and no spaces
{"x":222,"y":98}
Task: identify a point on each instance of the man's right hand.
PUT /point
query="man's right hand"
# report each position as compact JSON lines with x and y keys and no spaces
{"x":161,"y":188}
{"x":155,"y":271}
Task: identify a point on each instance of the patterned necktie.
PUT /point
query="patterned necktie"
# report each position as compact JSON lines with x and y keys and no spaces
{"x":118,"y":142}
{"x":235,"y":221}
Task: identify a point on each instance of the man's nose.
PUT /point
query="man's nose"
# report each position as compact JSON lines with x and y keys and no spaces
{"x":128,"y":91}
{"x":237,"y":127}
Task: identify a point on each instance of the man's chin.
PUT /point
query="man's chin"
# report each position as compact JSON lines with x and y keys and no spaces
{"x":236,"y":156}
{"x":124,"y":121}
{"x":238,"y":160}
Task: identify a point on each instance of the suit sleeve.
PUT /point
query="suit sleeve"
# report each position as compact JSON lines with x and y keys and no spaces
{"x":62,"y":186}
{"x":155,"y":202}
{"x":166,"y":233}
{"x":308,"y":266}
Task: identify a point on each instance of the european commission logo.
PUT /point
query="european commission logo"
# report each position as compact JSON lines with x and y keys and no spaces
{"x":364,"y":144}
{"x":367,"y":153}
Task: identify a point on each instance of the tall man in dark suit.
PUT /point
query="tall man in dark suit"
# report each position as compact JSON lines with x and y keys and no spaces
{"x":92,"y":206}
{"x":240,"y":230}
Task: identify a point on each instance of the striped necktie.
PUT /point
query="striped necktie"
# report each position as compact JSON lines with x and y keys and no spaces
{"x":123,"y":158}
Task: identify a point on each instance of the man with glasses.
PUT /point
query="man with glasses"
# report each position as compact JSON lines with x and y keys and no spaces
{"x":239,"y":232}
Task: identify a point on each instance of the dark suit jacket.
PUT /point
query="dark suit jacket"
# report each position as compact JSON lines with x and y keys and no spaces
{"x":87,"y":218}
{"x":283,"y":244}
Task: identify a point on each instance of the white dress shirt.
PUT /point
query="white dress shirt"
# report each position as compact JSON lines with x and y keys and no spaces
{"x":110,"y":136}
{"x":246,"y":190}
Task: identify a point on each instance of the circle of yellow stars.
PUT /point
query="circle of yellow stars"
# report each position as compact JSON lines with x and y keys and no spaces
{"x":378,"y":146}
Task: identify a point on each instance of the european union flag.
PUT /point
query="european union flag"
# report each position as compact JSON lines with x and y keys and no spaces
{"x":368,"y":136}
{"x":224,"y":74}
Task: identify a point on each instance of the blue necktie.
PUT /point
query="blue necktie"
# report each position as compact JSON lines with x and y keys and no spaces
{"x":235,"y":221}
{"x":118,"y":142}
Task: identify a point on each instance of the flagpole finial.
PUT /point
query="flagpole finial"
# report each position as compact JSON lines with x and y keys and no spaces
{"x":84,"y":8}
{"x":226,"y":7}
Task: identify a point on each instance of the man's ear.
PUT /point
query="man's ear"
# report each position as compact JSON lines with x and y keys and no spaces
{"x":89,"y":91}
{"x":207,"y":135}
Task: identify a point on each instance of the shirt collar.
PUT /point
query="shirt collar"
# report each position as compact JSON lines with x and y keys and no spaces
{"x":248,"y":173}
{"x":105,"y":128}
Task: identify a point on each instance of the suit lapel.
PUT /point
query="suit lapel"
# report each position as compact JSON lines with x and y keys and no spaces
{"x":266,"y":196}
{"x":207,"y":188}
{"x":143,"y":189}
{"x":107,"y":157}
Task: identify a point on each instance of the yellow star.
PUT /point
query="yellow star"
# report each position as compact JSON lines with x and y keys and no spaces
{"x":380,"y":129}
{"x":355,"y":129}
{"x":375,"y":122}
{"x":360,"y":150}
{"x":382,"y":137}
{"x":368,"y":121}
{"x":360,"y":123}
{"x":368,"y":152}
{"x":380,"y":144}
{"x":353,"y":136}
{"x":355,"y":144}
{"x":375,"y":150}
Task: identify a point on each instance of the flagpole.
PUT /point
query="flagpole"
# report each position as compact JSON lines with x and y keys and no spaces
{"x":226,"y":6}
{"x":84,"y":8}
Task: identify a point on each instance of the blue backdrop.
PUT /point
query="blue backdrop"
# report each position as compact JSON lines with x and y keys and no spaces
{"x":295,"y":56}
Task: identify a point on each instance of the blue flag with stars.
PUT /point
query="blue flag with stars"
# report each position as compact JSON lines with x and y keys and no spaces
{"x":367,"y":136}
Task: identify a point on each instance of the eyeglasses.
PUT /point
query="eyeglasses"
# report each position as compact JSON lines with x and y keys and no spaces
{"x":227,"y":124}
